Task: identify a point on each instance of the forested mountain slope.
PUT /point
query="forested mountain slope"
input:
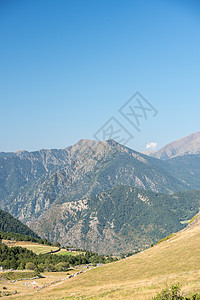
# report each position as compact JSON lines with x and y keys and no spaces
{"x":58,"y":193}
{"x":10,"y":224}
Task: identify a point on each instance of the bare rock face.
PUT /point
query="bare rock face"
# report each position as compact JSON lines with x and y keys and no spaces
{"x":186,"y":146}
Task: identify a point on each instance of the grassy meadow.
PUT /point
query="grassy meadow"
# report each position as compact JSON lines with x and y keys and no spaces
{"x":30,"y":286}
{"x":140,"y":277}
{"x":39,"y":248}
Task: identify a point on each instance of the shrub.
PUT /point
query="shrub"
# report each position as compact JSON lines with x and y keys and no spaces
{"x":166,"y":238}
{"x":174,"y":293}
{"x":41,"y":267}
{"x":192,"y":220}
{"x":30,"y":266}
{"x":168,"y":294}
{"x":62,"y":266}
{"x":37,"y":272}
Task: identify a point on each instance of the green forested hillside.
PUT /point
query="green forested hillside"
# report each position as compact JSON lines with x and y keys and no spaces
{"x":81,"y":195}
{"x":79,"y":172}
{"x":19,"y":258}
{"x":121,"y":219}
{"x":10,"y":224}
{"x":186,"y":168}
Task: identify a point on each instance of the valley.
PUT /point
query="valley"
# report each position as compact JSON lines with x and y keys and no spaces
{"x":175,"y":260}
{"x":78,"y":195}
{"x":139,"y":213}
{"x":99,"y":150}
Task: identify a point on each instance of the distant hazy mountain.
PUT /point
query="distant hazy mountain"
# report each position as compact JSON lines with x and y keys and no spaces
{"x":185,"y":168}
{"x":186,"y":146}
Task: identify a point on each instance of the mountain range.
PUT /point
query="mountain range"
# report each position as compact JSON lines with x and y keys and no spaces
{"x":186,"y":146}
{"x":100,"y":195}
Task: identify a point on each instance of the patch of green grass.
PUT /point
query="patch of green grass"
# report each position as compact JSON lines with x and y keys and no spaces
{"x":65,"y":253}
{"x":43,"y":249}
{"x":192,"y":220}
{"x":167,"y":238}
{"x":16,"y":275}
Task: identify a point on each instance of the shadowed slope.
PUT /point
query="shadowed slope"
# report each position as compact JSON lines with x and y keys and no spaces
{"x":9,"y":224}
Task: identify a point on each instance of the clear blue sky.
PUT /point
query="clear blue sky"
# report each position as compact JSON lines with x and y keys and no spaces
{"x":66,"y":67}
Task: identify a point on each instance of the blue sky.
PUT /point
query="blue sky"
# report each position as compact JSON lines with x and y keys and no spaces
{"x":66,"y":67}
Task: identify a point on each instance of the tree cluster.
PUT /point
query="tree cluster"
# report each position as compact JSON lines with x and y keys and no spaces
{"x":19,"y":258}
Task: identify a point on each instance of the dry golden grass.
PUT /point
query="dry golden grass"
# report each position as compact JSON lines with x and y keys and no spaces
{"x":28,"y":287}
{"x":36,"y":248}
{"x":139,"y":277}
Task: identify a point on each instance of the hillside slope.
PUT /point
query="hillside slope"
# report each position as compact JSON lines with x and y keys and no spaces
{"x":37,"y":185}
{"x":46,"y":176}
{"x":121,"y":219}
{"x":185,"y":168}
{"x":141,"y":276}
{"x":185,"y":146}
{"x":58,"y":194}
{"x":10,"y":224}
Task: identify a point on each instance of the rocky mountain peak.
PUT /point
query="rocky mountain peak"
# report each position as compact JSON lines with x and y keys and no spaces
{"x":185,"y":146}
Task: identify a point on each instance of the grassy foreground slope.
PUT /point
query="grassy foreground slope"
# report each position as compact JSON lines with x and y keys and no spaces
{"x":140,"y":276}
